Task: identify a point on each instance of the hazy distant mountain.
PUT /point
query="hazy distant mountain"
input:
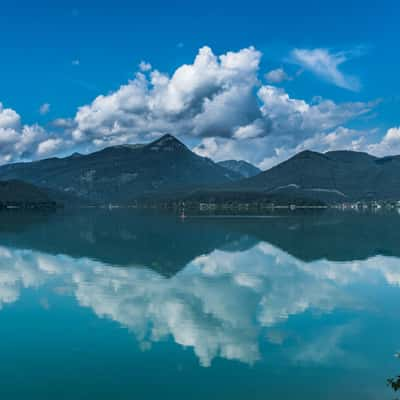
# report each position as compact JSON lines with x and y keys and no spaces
{"x":332,"y":176}
{"x":121,"y":173}
{"x":245,"y":169}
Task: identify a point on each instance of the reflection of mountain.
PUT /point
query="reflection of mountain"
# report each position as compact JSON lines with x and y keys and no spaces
{"x":163,"y":243}
{"x":334,"y":236}
{"x":166,"y":244}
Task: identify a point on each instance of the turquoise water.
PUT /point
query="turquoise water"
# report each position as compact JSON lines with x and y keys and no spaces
{"x":116,"y":305}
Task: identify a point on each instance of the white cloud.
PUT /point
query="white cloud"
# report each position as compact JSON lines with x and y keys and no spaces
{"x":49,"y":146}
{"x":196,"y":99}
{"x":256,"y":128}
{"x":277,"y":76}
{"x":217,"y":100}
{"x":22,"y":142}
{"x":9,"y":119}
{"x":297,"y":117}
{"x":389,"y":145}
{"x":212,"y":98}
{"x":286,"y":125}
{"x":145,"y":66}
{"x":44,"y":109}
{"x":326,"y":65}
{"x":218,"y":149}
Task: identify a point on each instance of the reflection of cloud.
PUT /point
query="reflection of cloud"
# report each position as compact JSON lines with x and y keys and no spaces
{"x":219,"y":305}
{"x":44,"y":302}
{"x":325,"y":347}
{"x":17,"y":270}
{"x":209,"y":315}
{"x":281,"y":287}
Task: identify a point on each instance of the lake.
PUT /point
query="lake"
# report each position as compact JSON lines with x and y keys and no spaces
{"x":101,"y":304}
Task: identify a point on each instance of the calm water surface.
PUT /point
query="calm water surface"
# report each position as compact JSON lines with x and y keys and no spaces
{"x":115,"y":305}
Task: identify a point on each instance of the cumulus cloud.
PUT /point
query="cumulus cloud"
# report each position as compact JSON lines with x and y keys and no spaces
{"x":49,"y":146}
{"x":277,"y":76}
{"x":289,"y":115}
{"x":9,"y":119}
{"x":325,"y":64}
{"x":22,"y":142}
{"x":218,"y":101}
{"x":145,"y":66}
{"x":388,"y":145}
{"x":210,"y":97}
{"x":287,"y":124}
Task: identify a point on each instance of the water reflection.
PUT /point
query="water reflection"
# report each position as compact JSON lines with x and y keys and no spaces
{"x":394,"y":383}
{"x":126,"y":239}
{"x":218,"y":288}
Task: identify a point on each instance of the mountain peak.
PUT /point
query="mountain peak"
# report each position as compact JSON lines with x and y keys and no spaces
{"x":308,"y":155}
{"x":76,"y":155}
{"x":166,"y":143}
{"x":167,"y":136}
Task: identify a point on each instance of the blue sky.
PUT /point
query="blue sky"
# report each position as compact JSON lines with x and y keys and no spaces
{"x":57,"y":57}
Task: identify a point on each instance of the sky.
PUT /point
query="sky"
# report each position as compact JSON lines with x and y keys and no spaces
{"x":252,"y":80}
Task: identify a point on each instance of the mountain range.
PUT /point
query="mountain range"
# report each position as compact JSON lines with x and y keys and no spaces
{"x":121,"y":173}
{"x":335,"y":176}
{"x":167,"y":167}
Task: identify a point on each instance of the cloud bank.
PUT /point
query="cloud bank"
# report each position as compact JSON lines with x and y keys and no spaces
{"x":219,"y":102}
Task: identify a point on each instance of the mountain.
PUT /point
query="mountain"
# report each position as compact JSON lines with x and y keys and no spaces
{"x":167,"y":169}
{"x":122,"y":173}
{"x":243,"y":168}
{"x":332,"y":176}
{"x":21,"y":194}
